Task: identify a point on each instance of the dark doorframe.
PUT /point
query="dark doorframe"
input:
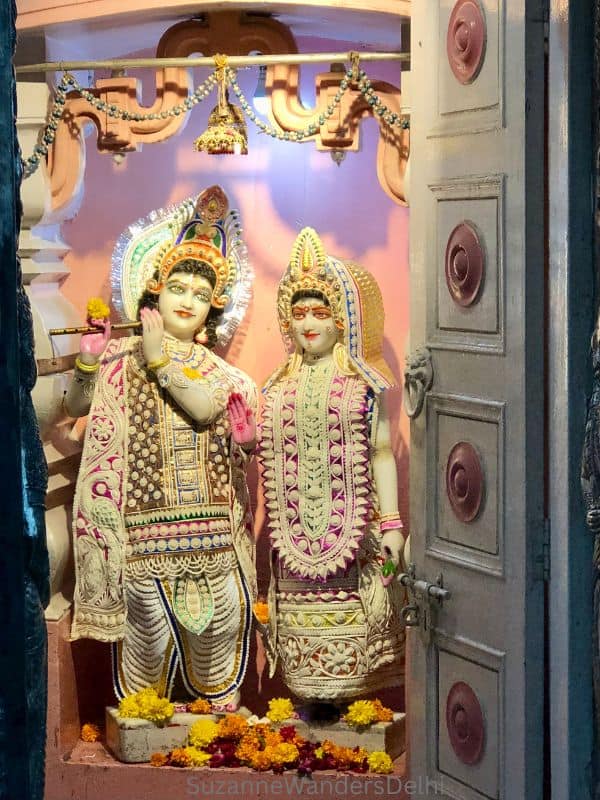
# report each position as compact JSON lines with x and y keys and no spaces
{"x":571,"y":290}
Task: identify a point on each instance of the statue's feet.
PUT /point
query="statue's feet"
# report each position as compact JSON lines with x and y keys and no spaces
{"x":228,"y":705}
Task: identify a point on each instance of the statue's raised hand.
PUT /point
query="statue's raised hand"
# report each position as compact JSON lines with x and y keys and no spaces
{"x":241,"y":419}
{"x":153,"y":330}
{"x":93,"y":344}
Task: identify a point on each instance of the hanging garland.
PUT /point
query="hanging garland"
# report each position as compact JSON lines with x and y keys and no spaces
{"x":69,"y":83}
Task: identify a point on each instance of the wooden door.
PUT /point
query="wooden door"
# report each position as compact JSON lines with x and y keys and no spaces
{"x":476,"y":662}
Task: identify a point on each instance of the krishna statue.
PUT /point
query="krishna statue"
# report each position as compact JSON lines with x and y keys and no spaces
{"x":163,"y":540}
{"x":330,"y":484}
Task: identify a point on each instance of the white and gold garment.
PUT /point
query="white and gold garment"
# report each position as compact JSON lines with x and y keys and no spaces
{"x":337,"y":629}
{"x":164,"y":549}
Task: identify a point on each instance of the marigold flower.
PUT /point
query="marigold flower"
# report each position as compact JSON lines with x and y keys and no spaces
{"x":90,"y":732}
{"x":158,"y":760}
{"x":280,"y":708}
{"x":344,"y":757}
{"x":203,"y":732}
{"x":232,"y":726}
{"x":179,"y":758}
{"x":197,"y":757}
{"x":246,"y":750}
{"x":380,"y":762}
{"x":261,"y":612}
{"x":97,"y":308}
{"x":199,"y":706}
{"x":146,"y":704}
{"x":361,"y":713}
{"x":261,"y":760}
{"x":384,"y":714}
{"x":283,"y":753}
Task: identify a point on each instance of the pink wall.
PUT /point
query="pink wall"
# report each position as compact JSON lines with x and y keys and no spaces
{"x":278,"y":188}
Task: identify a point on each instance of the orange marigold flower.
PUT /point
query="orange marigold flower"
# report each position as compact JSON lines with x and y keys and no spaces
{"x":261,"y":612}
{"x":90,"y":732}
{"x":246,"y":750}
{"x":158,"y":759}
{"x":345,"y":757}
{"x":261,"y":760}
{"x":232,"y":726}
{"x":283,"y":753}
{"x":384,"y":714}
{"x":179,"y":758}
{"x":199,"y":706}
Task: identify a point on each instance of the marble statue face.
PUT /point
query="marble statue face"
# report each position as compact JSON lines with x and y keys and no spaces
{"x":312,"y":326}
{"x":184,"y":303}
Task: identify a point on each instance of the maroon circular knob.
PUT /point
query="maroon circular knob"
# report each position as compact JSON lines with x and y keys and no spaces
{"x":465,"y":264}
{"x":465,"y":481}
{"x":465,"y":40}
{"x":465,"y":723}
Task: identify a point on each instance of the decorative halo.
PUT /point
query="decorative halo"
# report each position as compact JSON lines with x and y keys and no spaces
{"x":200,"y":223}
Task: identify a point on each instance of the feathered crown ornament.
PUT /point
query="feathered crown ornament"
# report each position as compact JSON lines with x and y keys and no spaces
{"x":355,"y":301}
{"x":201,"y":228}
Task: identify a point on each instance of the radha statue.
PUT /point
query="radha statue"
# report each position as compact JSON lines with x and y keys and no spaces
{"x":330,"y":485}
{"x":163,"y":540}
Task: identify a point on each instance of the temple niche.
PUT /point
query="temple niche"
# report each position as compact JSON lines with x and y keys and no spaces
{"x":348,"y":181}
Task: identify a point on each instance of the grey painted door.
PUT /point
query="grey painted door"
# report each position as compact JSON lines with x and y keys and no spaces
{"x":476,"y":662}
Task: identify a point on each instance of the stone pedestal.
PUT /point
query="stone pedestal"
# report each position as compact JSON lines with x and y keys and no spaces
{"x":134,"y":740}
{"x":386,"y":736}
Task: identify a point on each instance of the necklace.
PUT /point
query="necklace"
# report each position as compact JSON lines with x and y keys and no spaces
{"x":176,"y":349}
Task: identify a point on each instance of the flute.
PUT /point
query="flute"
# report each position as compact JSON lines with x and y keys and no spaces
{"x":94,"y":328}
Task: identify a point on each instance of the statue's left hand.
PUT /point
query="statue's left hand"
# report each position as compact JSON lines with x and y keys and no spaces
{"x":392,"y":546}
{"x":241,"y":419}
{"x":153,"y":330}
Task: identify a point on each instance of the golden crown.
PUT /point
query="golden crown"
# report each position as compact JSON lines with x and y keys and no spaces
{"x":306,"y":272}
{"x":197,"y":250}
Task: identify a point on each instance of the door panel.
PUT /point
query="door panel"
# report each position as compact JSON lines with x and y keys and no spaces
{"x":476,"y":664}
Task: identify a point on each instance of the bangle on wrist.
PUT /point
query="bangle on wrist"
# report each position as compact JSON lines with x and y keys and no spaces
{"x":160,"y":362}
{"x":87,"y":368}
{"x":391,"y":524}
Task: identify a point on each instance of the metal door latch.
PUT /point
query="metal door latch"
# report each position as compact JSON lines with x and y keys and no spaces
{"x":424,"y":599}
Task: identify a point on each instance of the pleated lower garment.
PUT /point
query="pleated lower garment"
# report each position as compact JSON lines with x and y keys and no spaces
{"x":211,"y":650}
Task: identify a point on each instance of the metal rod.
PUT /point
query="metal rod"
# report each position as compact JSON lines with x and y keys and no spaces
{"x":120,"y":326}
{"x":208,"y":61}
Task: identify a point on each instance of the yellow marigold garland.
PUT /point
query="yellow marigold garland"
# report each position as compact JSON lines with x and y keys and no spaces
{"x":362,"y":713}
{"x":97,"y":308}
{"x":263,"y":747}
{"x":280,"y":709}
{"x":380,"y":762}
{"x":146,"y":704}
{"x":203,"y":732}
{"x":197,"y":757}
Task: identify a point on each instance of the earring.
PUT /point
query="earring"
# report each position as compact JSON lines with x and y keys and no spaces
{"x":201,"y":337}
